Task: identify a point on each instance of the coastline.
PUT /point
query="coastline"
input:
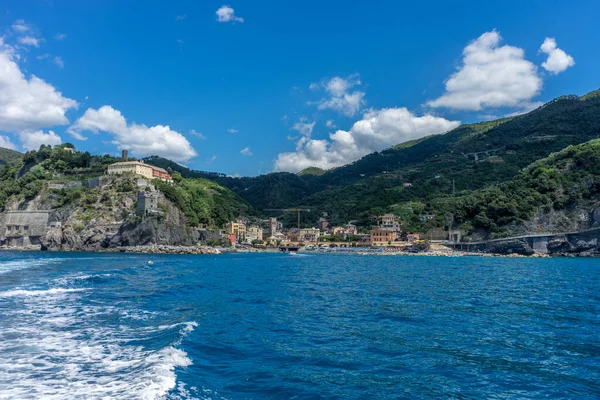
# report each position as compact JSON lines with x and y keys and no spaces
{"x":205,"y":250}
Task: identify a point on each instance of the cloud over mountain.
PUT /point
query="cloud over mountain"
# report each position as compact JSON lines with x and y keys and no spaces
{"x":379,"y":129}
{"x":490,"y":76}
{"x":140,"y":139}
{"x":558,"y":61}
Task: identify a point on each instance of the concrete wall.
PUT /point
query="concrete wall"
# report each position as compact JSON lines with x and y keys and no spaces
{"x":35,"y":221}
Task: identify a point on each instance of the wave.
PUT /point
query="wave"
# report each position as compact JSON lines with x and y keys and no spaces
{"x":57,"y":347}
{"x":30,"y":293}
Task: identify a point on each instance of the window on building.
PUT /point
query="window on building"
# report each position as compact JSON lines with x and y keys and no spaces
{"x":26,"y":227}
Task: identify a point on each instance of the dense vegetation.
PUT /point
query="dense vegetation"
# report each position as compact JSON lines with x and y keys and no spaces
{"x":8,"y":156}
{"x":24,"y":179}
{"x":203,"y":201}
{"x":566,"y":179}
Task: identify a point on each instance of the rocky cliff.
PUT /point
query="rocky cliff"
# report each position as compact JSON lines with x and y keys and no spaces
{"x":104,"y":217}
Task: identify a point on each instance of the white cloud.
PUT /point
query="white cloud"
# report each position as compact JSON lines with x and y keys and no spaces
{"x":60,"y":36}
{"x":28,"y":104}
{"x":233,"y":130}
{"x":558,"y":61}
{"x":32,"y":140}
{"x":210,"y":160}
{"x":330,"y":124}
{"x":59,"y":62}
{"x":246,"y":151}
{"x":379,"y":129}
{"x":341,"y":99}
{"x":197,"y":134}
{"x":140,"y":139}
{"x":20,"y":26}
{"x":6,"y":143}
{"x":30,"y":41}
{"x":226,"y":14}
{"x":314,"y":86}
{"x":491,"y":76}
{"x":181,"y":17}
{"x":305,"y":128}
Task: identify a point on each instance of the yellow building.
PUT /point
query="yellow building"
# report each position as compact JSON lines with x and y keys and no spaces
{"x":239,"y":230}
{"x":254,"y":233}
{"x":139,"y":168}
{"x":132,"y":167}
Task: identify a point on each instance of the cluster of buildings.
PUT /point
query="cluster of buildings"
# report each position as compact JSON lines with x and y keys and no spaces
{"x":271,"y":232}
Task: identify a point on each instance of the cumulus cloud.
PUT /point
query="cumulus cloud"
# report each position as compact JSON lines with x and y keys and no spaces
{"x":140,"y":139}
{"x":558,"y":61}
{"x":246,"y":151}
{"x":30,"y":41}
{"x":330,"y":124}
{"x":6,"y":143}
{"x":28,"y":104}
{"x":490,"y":76}
{"x":379,"y":129}
{"x":60,"y":36}
{"x":227,"y":14}
{"x":20,"y":26}
{"x":233,"y":130}
{"x":341,"y":99}
{"x":33,"y":140}
{"x":304,"y":127}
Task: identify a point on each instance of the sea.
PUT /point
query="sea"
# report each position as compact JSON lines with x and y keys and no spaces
{"x":305,"y":326}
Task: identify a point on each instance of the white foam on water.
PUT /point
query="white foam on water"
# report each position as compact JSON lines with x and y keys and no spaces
{"x":15,"y":265}
{"x":58,"y":348}
{"x":48,"y":292}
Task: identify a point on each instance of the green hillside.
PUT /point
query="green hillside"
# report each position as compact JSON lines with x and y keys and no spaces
{"x":202,"y":201}
{"x":565,"y":182}
{"x":467,"y":158}
{"x":8,"y":156}
{"x":312,"y":171}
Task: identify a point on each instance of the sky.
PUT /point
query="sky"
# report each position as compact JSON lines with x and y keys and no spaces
{"x":251,"y":87}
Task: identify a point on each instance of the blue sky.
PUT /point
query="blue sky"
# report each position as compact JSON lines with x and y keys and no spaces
{"x":271,"y":85}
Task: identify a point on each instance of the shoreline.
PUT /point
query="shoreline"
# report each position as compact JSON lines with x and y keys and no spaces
{"x":205,"y":250}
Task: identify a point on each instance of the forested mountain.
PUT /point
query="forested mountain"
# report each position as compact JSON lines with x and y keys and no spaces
{"x":559,"y":193}
{"x":8,"y":156}
{"x":467,"y":158}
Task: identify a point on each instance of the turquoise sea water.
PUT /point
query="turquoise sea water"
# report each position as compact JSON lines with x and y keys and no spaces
{"x":275,"y":326}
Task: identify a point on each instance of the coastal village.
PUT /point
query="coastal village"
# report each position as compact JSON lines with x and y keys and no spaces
{"x":271,"y":233}
{"x":26,"y":228}
{"x":124,"y":206}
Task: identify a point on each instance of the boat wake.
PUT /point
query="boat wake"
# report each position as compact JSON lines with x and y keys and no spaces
{"x":56,"y":344}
